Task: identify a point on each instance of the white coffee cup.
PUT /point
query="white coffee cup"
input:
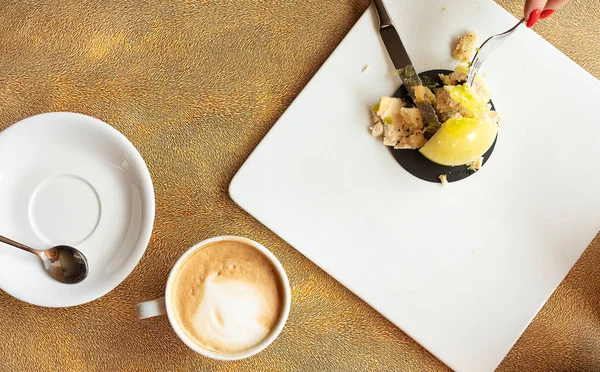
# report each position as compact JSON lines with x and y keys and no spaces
{"x":164,"y":305}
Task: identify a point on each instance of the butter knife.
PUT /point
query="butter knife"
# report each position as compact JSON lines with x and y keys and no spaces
{"x":401,"y":60}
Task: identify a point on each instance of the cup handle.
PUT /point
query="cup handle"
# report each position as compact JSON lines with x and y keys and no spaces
{"x":152,"y":308}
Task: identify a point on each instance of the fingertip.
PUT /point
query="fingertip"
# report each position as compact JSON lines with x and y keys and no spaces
{"x":534,"y":17}
{"x":547,"y":13}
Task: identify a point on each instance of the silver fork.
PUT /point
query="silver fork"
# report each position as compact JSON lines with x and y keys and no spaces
{"x":486,"y":49}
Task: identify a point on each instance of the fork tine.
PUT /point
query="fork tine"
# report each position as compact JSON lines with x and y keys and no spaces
{"x":486,"y":49}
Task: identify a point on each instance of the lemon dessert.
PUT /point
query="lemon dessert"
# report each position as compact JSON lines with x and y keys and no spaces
{"x":468,"y":128}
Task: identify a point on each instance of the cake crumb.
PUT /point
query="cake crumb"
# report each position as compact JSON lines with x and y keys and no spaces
{"x":465,"y":47}
{"x":476,"y":165}
{"x":401,"y":126}
{"x":377,"y":130}
{"x":366,"y":68}
{"x":423,"y":93}
{"x":443,"y":179}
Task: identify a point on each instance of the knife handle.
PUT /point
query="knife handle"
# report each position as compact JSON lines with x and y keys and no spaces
{"x":384,"y":17}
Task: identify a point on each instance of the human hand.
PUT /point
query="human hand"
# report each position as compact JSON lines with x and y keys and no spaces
{"x":541,"y":9}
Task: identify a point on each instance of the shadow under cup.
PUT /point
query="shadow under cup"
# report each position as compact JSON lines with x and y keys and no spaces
{"x":173,"y":311}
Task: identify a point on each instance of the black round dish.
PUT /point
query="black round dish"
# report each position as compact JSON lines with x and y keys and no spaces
{"x":418,"y":165}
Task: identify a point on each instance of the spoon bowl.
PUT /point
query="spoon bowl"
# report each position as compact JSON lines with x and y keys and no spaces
{"x":64,"y":263}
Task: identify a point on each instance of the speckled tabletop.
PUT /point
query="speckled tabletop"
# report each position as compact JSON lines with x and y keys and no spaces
{"x":195,"y":85}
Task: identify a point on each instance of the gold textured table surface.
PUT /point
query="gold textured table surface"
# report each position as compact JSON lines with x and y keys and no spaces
{"x":195,"y":85}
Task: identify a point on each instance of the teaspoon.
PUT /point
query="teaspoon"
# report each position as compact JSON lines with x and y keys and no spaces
{"x":63,"y":263}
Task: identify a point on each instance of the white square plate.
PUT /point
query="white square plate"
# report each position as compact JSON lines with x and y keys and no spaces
{"x":462,"y":269}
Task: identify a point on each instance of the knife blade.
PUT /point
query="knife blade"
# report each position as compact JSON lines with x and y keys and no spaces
{"x":401,"y":60}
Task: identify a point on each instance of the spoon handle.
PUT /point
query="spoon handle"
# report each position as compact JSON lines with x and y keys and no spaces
{"x":8,"y":241}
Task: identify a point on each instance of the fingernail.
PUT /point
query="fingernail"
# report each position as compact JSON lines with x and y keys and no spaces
{"x":547,"y":13}
{"x":534,"y":17}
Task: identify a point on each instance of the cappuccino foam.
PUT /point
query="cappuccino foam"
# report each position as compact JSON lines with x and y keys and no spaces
{"x":227,"y":296}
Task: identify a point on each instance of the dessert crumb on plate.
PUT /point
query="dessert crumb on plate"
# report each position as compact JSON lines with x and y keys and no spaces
{"x":476,"y":165}
{"x":465,"y":47}
{"x":444,"y":179}
{"x":400,"y":126}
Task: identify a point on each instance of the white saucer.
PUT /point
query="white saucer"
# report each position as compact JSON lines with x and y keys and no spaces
{"x":67,"y":178}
